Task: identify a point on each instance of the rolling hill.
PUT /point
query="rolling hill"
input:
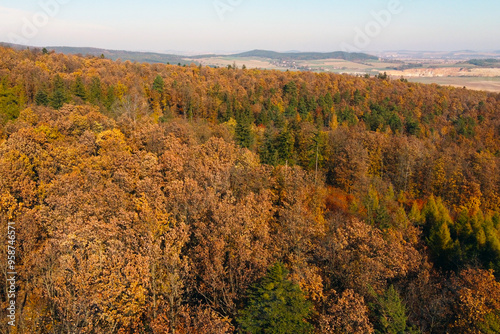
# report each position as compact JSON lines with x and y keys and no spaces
{"x":154,"y":57}
{"x":308,"y":55}
{"x":298,"y":55}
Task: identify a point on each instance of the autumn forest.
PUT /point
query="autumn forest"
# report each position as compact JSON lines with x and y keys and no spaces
{"x":152,"y":198}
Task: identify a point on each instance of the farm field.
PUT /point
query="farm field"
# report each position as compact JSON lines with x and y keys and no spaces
{"x":491,"y":84}
{"x":443,"y":72}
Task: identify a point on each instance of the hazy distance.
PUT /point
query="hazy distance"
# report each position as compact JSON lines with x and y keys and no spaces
{"x":200,"y":26}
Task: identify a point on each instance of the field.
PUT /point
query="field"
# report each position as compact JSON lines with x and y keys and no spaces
{"x":452,"y":72}
{"x":248,"y":62}
{"x":477,"y":83}
{"x":322,"y":65}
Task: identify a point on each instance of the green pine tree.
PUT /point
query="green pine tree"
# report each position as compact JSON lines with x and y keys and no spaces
{"x":41,"y":98}
{"x":58,"y":83}
{"x":243,"y":131}
{"x":268,"y":153}
{"x":415,"y":215}
{"x":95,"y":93}
{"x":390,"y":313}
{"x":58,"y":97}
{"x":437,"y":231}
{"x":285,"y":145}
{"x":110,"y":98}
{"x":79,"y":88}
{"x":440,"y":241}
{"x":158,"y":84}
{"x":276,"y":306}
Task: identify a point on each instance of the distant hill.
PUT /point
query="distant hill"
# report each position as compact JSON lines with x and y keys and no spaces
{"x":14,"y":46}
{"x":143,"y":57}
{"x":153,"y":57}
{"x":307,"y":55}
{"x":488,"y":63}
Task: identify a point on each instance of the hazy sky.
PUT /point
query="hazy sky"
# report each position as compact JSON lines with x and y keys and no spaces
{"x":240,"y":25}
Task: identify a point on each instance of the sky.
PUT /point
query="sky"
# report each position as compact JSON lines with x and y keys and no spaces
{"x":226,"y":26}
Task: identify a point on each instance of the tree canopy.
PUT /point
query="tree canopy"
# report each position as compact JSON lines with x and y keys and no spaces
{"x":154,"y":198}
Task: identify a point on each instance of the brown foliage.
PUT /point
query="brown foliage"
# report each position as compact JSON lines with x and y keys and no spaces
{"x":349,"y":314}
{"x":477,"y":301}
{"x":136,"y":212}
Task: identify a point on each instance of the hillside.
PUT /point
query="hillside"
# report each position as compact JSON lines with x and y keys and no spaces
{"x":154,"y":198}
{"x":307,"y":55}
{"x":142,"y":57}
{"x":152,"y":57}
{"x":488,"y":63}
{"x":444,"y":68}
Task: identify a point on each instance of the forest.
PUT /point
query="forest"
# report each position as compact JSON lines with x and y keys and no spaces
{"x":152,"y":198}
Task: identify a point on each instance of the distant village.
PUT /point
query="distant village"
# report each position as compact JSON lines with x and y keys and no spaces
{"x":293,"y":65}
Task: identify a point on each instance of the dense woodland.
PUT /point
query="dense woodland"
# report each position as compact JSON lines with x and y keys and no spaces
{"x":187,"y":199}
